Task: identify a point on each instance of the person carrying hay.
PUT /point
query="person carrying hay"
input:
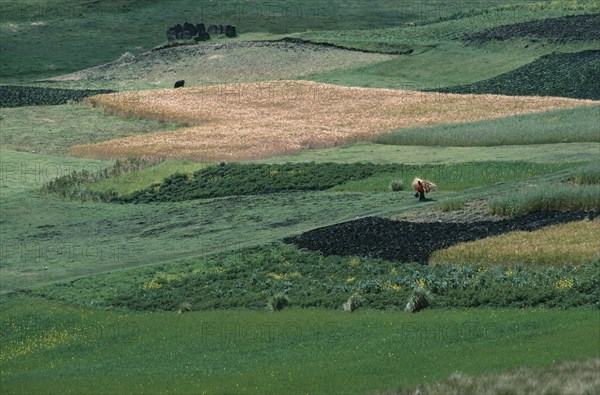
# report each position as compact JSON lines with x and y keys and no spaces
{"x":420,"y":191}
{"x":422,"y":186}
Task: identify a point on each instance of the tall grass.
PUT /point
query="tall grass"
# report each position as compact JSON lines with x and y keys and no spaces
{"x":455,"y":177}
{"x":451,"y":204}
{"x":588,"y":175}
{"x":568,"y":377}
{"x":561,"y":197}
{"x":134,"y":181}
{"x":561,"y":126}
{"x":570,"y":243}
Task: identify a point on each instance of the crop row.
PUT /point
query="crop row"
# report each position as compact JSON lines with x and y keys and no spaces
{"x":248,"y":278}
{"x":19,"y":96}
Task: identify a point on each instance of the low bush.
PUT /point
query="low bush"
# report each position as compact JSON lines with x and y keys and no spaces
{"x":419,"y":299}
{"x":278,"y":302}
{"x":588,"y":175}
{"x":396,"y":185}
{"x":451,"y":204}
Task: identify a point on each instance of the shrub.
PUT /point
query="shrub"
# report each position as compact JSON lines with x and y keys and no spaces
{"x":396,"y":185}
{"x":588,"y":175}
{"x":277,"y":302}
{"x":185,"y":307}
{"x":451,"y":204}
{"x":353,"y":302}
{"x":419,"y":299}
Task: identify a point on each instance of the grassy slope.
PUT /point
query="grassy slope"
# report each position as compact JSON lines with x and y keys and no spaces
{"x":428,"y":35}
{"x":64,"y":348}
{"x":54,"y":129}
{"x":141,"y":24}
{"x":60,"y":239}
{"x":570,"y":126}
{"x":443,"y":65}
{"x":67,"y":347}
{"x":248,"y":278}
{"x":24,"y":172}
{"x":378,"y":153}
{"x":439,"y":53}
{"x":556,"y":74}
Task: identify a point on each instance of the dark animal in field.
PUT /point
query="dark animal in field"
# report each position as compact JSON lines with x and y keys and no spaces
{"x":179,"y":84}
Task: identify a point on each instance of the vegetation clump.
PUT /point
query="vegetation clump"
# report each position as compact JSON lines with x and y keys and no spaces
{"x":353,"y":302}
{"x":278,"y":302}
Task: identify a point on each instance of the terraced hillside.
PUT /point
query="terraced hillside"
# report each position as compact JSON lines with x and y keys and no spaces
{"x":259,"y":232}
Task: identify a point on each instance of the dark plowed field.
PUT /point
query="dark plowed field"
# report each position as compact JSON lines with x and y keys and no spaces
{"x":574,"y":75}
{"x":20,"y":96}
{"x":566,"y":28}
{"x":413,"y":242}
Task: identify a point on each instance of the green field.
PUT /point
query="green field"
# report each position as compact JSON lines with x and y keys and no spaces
{"x":49,"y":347}
{"x":153,"y":276}
{"x":552,"y":127}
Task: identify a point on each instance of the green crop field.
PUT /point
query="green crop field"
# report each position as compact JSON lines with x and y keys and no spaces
{"x":49,"y":347}
{"x":317,"y":271}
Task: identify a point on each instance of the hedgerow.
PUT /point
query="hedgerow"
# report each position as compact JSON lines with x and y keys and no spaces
{"x":19,"y":96}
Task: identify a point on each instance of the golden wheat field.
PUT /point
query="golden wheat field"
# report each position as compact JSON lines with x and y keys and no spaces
{"x":570,"y":243}
{"x":256,"y":120}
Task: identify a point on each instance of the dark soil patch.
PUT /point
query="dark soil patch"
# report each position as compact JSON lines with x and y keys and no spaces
{"x":566,"y":28}
{"x":20,"y":96}
{"x":414,"y":242}
{"x":573,"y":75}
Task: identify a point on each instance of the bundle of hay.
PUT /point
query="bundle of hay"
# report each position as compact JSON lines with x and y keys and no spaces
{"x":427,"y":185}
